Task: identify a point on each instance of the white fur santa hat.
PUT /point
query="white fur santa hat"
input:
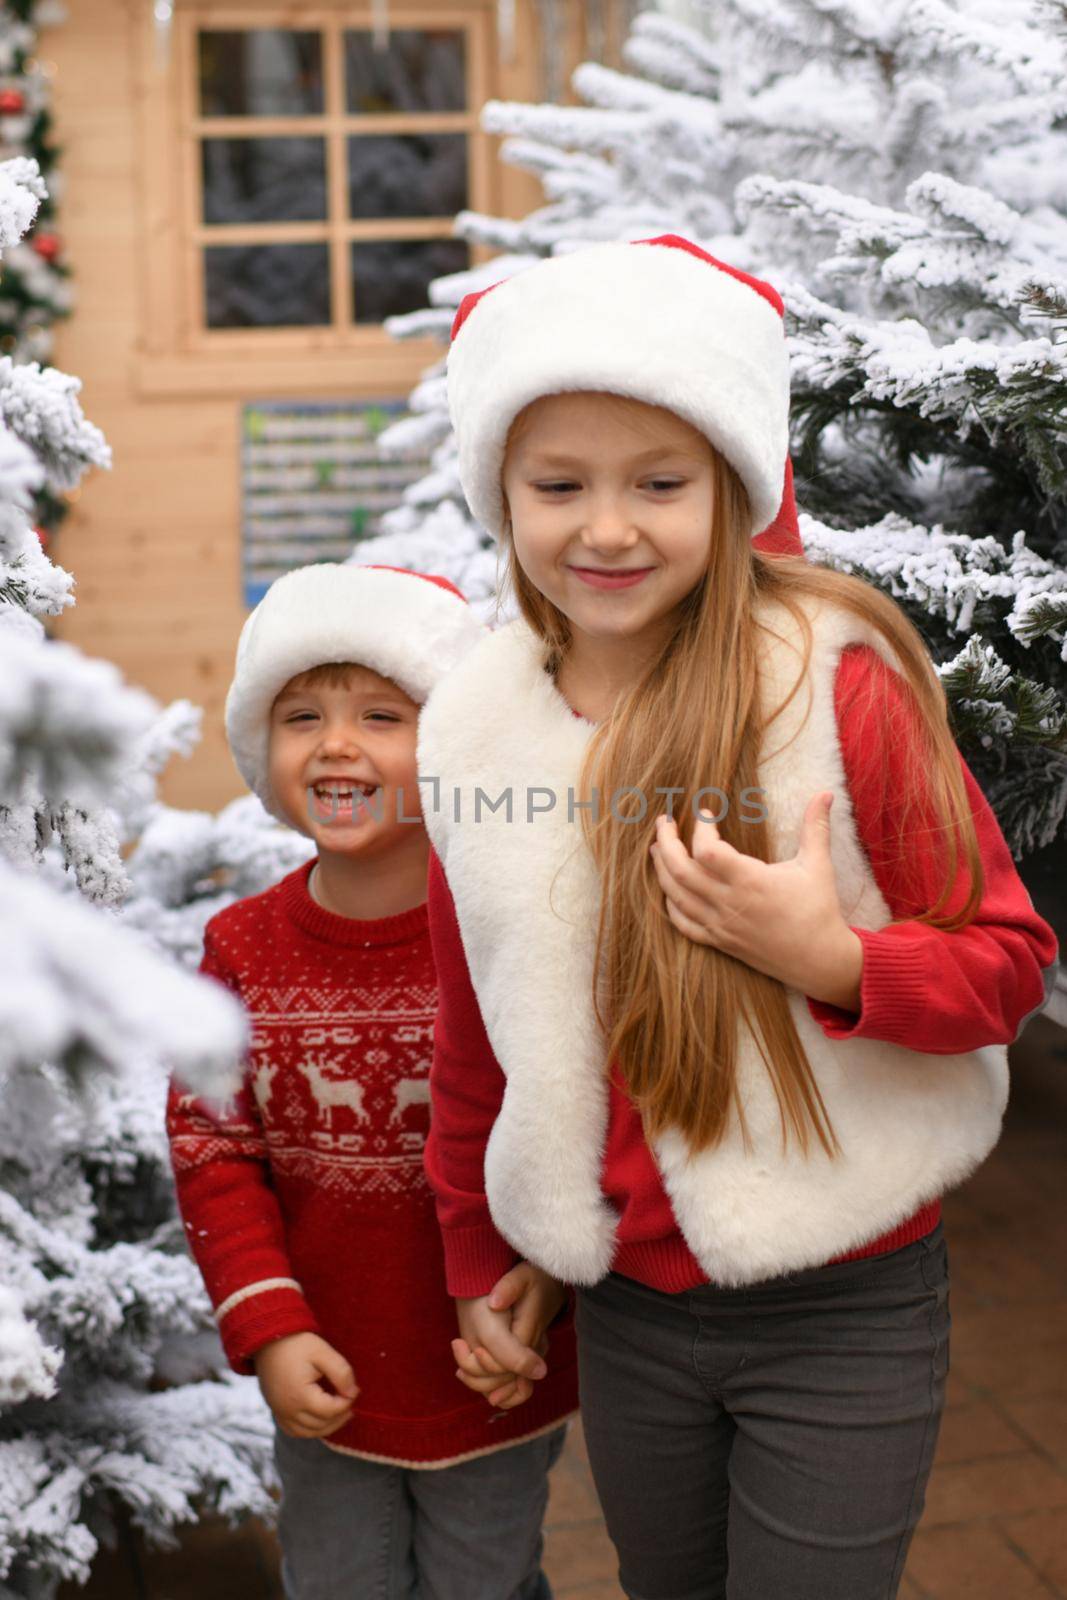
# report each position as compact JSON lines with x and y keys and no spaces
{"x":659,"y":320}
{"x":410,"y":627}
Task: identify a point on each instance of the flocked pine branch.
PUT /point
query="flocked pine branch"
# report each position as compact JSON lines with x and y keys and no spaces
{"x":918,"y":212}
{"x":99,"y":1295}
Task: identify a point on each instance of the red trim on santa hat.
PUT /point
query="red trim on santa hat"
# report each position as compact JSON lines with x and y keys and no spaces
{"x":675,"y":242}
{"x":782,"y":536}
{"x":428,"y":577}
{"x":468,"y":303}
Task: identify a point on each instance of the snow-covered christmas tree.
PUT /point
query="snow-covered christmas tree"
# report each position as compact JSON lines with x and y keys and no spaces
{"x":36,"y":289}
{"x":112,"y":1397}
{"x":899,"y":169}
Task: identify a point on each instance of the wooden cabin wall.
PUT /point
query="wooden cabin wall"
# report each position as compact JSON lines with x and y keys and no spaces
{"x":155,"y":543}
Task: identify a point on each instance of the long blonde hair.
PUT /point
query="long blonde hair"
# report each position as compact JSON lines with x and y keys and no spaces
{"x":669,"y":1007}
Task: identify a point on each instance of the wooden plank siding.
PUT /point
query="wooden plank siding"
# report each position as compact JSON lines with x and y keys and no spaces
{"x":155,"y":544}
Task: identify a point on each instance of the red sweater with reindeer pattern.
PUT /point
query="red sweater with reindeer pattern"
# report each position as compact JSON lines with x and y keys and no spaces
{"x":305,"y":1201}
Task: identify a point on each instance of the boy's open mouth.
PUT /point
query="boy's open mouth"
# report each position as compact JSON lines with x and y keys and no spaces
{"x":342,"y":799}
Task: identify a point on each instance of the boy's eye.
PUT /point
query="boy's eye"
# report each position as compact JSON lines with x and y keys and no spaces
{"x":301,"y":716}
{"x":382,"y":716}
{"x":555,"y":488}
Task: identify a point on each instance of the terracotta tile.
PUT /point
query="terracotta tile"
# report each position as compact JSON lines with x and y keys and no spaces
{"x":1021,"y":1180}
{"x":1021,"y":1367}
{"x":996,"y":1270}
{"x":971,"y":1563}
{"x":576,"y":1441}
{"x":975,"y":1431}
{"x":605,"y":1590}
{"x":962,"y":1214}
{"x":1046,"y":1237}
{"x":1042,"y":1420}
{"x":958,"y":1392}
{"x":580,"y":1553}
{"x":996,"y":1487}
{"x":998,"y":1323}
{"x":1042,"y":1538}
{"x":572,"y":1497}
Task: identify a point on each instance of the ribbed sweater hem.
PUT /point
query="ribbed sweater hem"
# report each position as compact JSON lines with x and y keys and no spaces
{"x":474,"y":1259}
{"x":433,"y":1442}
{"x":669,"y":1265}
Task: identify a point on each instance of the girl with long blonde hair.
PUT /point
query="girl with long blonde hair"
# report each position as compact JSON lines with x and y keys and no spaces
{"x":729,"y":944}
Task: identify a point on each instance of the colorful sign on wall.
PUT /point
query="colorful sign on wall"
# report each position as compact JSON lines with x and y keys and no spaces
{"x":313,"y":484}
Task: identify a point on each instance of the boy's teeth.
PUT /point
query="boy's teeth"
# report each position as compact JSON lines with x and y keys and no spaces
{"x":365,"y":789}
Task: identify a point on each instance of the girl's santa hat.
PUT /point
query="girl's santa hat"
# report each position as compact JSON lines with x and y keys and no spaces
{"x":410,"y":627}
{"x":658,"y":320}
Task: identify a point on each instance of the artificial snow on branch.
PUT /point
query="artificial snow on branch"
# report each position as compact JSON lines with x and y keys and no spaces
{"x":899,"y":167}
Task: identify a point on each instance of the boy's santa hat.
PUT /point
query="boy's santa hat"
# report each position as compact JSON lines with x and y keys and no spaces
{"x":659,"y":320}
{"x":410,"y":627}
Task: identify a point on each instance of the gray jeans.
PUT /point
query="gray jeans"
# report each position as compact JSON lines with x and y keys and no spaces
{"x":363,"y":1530}
{"x":772,"y":1442}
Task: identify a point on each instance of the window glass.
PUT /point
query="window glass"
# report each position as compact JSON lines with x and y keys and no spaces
{"x":419,"y":70}
{"x":392,"y":276}
{"x":263,"y":180}
{"x":266,"y":181}
{"x":267,"y":285}
{"x":407,"y":175}
{"x":260,"y":72}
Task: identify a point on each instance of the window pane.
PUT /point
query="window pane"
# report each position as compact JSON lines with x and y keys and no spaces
{"x":267,"y":285}
{"x":260,"y":72}
{"x":392,"y":277}
{"x":409,"y":175}
{"x":264,"y":180}
{"x":417,"y":71}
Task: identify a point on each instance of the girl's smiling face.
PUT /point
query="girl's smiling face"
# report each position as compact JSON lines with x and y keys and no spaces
{"x":342,"y":759}
{"x":611,"y":504}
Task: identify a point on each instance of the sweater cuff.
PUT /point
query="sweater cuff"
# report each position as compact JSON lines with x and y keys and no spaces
{"x":259,"y":1314}
{"x":474,"y":1259}
{"x":894,"y":993}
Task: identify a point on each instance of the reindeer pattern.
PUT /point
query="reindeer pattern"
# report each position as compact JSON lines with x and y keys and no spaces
{"x":344,"y":1094}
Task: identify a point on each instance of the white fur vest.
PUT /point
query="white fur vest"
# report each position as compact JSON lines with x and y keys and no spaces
{"x":526,"y":893}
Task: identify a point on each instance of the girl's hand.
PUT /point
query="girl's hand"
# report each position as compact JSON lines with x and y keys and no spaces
{"x":290,"y":1373}
{"x":504,"y":1365}
{"x":782,"y":918}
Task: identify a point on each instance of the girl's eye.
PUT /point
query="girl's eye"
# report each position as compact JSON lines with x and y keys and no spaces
{"x":302,"y":716}
{"x":661,"y":485}
{"x":382,"y":716}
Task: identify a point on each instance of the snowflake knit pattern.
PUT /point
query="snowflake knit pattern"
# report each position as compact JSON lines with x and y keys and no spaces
{"x":305,"y":1201}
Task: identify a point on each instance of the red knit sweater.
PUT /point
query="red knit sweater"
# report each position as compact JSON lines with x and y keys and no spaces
{"x":306,"y":1205}
{"x":922,"y":988}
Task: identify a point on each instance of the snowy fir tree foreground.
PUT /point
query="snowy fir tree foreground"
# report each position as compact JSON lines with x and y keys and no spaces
{"x":899,"y":169}
{"x":113,"y":1399}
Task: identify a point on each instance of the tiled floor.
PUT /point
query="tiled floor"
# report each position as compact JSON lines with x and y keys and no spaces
{"x":995,"y":1526}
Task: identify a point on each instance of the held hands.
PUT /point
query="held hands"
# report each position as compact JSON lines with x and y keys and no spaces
{"x":290,"y":1372}
{"x":782,"y":918}
{"x":503,"y":1335}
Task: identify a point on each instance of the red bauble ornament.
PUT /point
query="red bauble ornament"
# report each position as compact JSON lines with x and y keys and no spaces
{"x":46,"y":245}
{"x":12,"y":102}
{"x":42,"y":534}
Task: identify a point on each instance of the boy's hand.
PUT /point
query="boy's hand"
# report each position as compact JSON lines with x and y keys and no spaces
{"x":290,"y":1371}
{"x":504,"y":1334}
